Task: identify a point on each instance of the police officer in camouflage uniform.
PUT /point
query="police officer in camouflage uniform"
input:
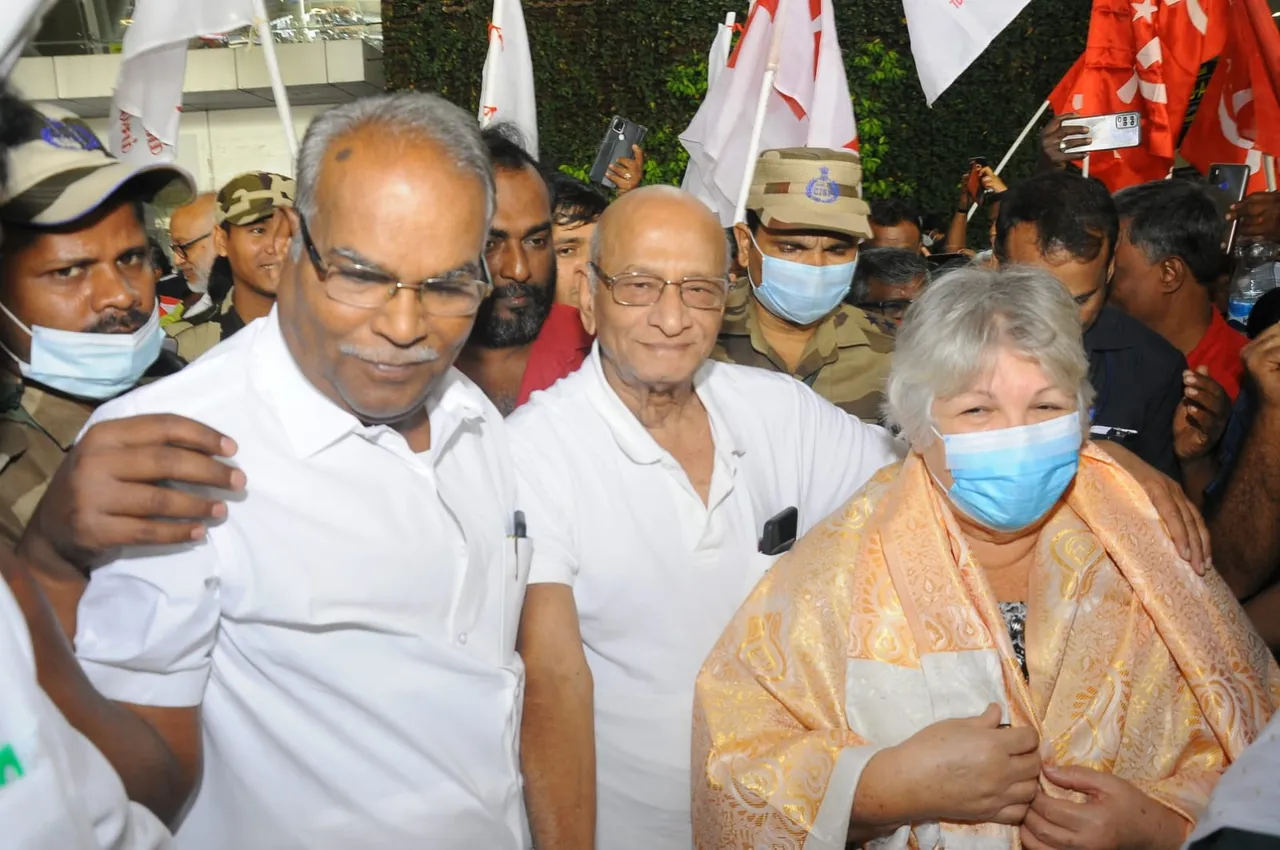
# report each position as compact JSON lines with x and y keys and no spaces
{"x":78,"y":316}
{"x":805,"y":217}
{"x":251,"y":235}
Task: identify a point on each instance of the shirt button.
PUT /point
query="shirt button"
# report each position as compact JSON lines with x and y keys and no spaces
{"x":211,"y":583}
{"x":462,"y":638}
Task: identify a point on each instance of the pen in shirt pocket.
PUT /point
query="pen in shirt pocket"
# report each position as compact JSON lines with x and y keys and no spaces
{"x":518,"y":532}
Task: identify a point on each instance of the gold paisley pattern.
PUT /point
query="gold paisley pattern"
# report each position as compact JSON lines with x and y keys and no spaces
{"x":1137,"y":667}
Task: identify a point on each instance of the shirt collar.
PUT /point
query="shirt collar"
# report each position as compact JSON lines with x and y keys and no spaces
{"x":61,"y":418}
{"x":636,"y":442}
{"x":1108,"y":332}
{"x":313,"y":422}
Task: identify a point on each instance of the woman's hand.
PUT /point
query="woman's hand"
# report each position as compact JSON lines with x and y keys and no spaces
{"x":1114,"y":816}
{"x":968,"y":769}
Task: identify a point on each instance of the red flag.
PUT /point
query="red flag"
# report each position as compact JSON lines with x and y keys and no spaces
{"x":1142,"y":56}
{"x":1239,"y":116}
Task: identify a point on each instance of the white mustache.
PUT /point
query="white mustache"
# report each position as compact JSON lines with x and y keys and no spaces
{"x":392,"y":356}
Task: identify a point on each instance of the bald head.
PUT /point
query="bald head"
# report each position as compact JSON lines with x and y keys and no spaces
{"x":660,"y":213}
{"x":190,"y":236}
{"x":196,"y":214}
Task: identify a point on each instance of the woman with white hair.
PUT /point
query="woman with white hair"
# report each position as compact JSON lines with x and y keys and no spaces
{"x":995,"y":641}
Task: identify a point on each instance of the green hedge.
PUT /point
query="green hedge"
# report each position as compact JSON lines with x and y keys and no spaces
{"x":646,"y":59}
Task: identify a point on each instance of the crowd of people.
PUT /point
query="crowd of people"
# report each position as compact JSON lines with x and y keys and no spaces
{"x":435,"y":498}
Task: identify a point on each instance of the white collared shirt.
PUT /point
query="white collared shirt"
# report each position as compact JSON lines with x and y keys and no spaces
{"x":57,"y":792}
{"x":349,"y":629}
{"x":656,"y":574}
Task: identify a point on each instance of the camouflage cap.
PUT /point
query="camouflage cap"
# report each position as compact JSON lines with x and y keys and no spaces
{"x":810,"y":189}
{"x":253,"y":196}
{"x":59,"y":171}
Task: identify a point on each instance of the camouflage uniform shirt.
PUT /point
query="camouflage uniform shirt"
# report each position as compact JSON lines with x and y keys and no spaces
{"x":194,"y":340}
{"x":846,"y":362}
{"x":37,"y":428}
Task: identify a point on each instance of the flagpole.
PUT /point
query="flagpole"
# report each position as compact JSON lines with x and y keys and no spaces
{"x":263,"y":26}
{"x":1017,"y":143}
{"x":1269,"y":171}
{"x":762,"y":104}
{"x":489,"y":80}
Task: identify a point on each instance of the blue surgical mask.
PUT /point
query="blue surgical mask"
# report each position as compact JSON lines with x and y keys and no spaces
{"x":89,"y":365}
{"x":801,"y":293}
{"x":1009,"y":478}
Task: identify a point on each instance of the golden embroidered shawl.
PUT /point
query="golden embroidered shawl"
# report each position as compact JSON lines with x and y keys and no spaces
{"x":880,"y":623}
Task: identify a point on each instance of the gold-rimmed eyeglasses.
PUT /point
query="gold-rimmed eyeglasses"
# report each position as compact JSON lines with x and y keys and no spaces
{"x":455,"y":294}
{"x":638,"y":289}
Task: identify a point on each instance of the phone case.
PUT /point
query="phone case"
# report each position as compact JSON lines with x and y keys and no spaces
{"x":620,"y":135}
{"x":1109,"y":132}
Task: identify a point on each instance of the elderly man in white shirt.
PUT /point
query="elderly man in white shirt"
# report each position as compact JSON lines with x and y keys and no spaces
{"x":659,"y":486}
{"x":332,"y":665}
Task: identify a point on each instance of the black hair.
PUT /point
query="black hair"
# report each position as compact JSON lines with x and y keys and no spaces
{"x":159,"y":260}
{"x":17,"y":119}
{"x":1265,"y":313}
{"x":573,"y":202}
{"x":1073,"y":214}
{"x":1174,"y":218}
{"x":890,"y":212}
{"x":892,"y":266}
{"x":506,"y":148}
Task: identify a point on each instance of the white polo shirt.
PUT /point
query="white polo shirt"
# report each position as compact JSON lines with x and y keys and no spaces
{"x":57,"y":792}
{"x":656,"y":574}
{"x":349,"y":629}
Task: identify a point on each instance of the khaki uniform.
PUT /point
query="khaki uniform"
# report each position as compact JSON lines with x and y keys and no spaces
{"x":193,"y":340}
{"x":37,"y":428}
{"x":846,"y":362}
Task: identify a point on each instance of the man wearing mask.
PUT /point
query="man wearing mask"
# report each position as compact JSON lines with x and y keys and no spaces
{"x":251,"y":236}
{"x":522,"y":265}
{"x":79,"y":321}
{"x":191,"y":244}
{"x":800,"y":248}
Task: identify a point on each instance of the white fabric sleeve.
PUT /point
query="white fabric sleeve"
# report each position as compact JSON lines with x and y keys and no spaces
{"x":147,"y":622}
{"x":549,"y":510}
{"x":831,"y":826}
{"x":840,"y":454}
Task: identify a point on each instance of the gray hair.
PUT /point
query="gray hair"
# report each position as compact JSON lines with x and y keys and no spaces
{"x":891,"y":266}
{"x":409,"y":115}
{"x":951,"y":333}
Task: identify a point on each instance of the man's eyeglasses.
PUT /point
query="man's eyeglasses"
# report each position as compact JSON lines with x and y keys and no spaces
{"x":637,"y":289}
{"x":454,"y":295}
{"x":895,"y":309}
{"x":180,"y":249}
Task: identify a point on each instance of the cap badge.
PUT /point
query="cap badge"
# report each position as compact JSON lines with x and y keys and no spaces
{"x":69,"y":136}
{"x":822,"y":189}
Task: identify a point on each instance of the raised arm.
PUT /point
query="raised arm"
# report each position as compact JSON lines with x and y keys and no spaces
{"x":1246,"y":523}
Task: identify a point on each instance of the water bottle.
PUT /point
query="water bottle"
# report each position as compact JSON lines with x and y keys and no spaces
{"x":1255,"y":276}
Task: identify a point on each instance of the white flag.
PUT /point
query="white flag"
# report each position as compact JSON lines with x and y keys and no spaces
{"x":947,"y":35}
{"x":809,"y":104}
{"x":506,"y":89}
{"x":718,"y":58}
{"x":147,"y":105}
{"x":18,"y":24}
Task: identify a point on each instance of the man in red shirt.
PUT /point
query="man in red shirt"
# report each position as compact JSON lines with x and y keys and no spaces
{"x":563,"y":343}
{"x":1167,"y":258}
